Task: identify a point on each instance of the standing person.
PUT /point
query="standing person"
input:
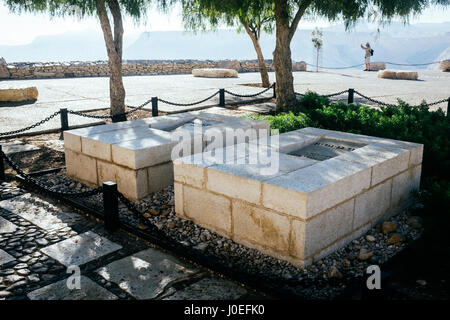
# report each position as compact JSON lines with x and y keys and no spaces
{"x":369,"y":53}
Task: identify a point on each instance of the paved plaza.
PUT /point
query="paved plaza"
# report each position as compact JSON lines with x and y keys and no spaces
{"x":35,"y":257}
{"x":92,"y":93}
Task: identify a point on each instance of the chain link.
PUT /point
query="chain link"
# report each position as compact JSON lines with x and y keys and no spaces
{"x":188,"y":104}
{"x":250,"y":95}
{"x":335,"y":94}
{"x":37,"y":124}
{"x":134,"y":209}
{"x":374,"y":100}
{"x":43,"y":187}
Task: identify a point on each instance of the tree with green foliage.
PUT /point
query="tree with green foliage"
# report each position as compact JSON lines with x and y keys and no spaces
{"x":252,"y":16}
{"x":113,"y":34}
{"x":288,"y":14}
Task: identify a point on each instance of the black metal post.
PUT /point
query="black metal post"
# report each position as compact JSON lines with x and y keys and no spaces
{"x":448,"y":108}
{"x":64,"y":121}
{"x":154,"y":106}
{"x":111,"y":205}
{"x":2,"y":165}
{"x":222,"y":97}
{"x":351,"y":93}
{"x":274,"y":89}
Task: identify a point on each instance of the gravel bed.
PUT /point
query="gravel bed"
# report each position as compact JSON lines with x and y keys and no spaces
{"x":325,"y":279}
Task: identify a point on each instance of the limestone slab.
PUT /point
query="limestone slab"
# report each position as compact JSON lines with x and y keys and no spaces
{"x":17,"y":146}
{"x":98,"y":145}
{"x":372,"y":204}
{"x":5,"y":257}
{"x":80,"y":249}
{"x":7,"y":226}
{"x":215,"y":73}
{"x":326,"y":184}
{"x":259,"y":226}
{"x":81,"y":166}
{"x":89,"y":290}
{"x":42,"y":214}
{"x":198,"y":205}
{"x":213,"y":288}
{"x":404,"y":184}
{"x":146,"y":274}
{"x":140,"y":153}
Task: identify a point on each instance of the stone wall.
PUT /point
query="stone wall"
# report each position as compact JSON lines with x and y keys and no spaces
{"x":130,"y":67}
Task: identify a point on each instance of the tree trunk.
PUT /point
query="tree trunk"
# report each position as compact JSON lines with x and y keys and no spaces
{"x":282,"y":58}
{"x":114,"y":50}
{"x":261,"y":63}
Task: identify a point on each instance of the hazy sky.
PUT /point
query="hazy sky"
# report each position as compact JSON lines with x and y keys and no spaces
{"x":22,"y":29}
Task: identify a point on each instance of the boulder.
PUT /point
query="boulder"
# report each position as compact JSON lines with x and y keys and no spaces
{"x":376,"y":66}
{"x":215,"y":73}
{"x":4,"y":72}
{"x":402,"y":75}
{"x":299,"y":66}
{"x":229,"y":64}
{"x":445,"y":65}
{"x":387,"y":74}
{"x":407,"y":75}
{"x":19,"y":95}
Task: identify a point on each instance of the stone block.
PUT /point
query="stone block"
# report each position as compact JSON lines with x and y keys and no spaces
{"x":159,"y":176}
{"x":385,"y":161}
{"x":98,"y":145}
{"x":260,"y":226}
{"x":189,"y":174}
{"x":215,"y":73}
{"x":404,"y":184}
{"x":19,"y":95}
{"x":444,"y":65}
{"x":326,"y":228}
{"x":178,"y":194}
{"x":145,"y":152}
{"x":72,"y":141}
{"x":81,"y":167}
{"x":372,"y":204}
{"x":200,"y":205}
{"x":233,"y":186}
{"x":325,"y":184}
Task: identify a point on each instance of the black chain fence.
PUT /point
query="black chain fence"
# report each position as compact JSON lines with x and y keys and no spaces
{"x":39,"y":185}
{"x":189,"y":104}
{"x":220,"y":92}
{"x":250,"y":95}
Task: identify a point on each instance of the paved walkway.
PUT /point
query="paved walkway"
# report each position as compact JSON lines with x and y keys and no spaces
{"x":92,"y":93}
{"x":41,"y":242}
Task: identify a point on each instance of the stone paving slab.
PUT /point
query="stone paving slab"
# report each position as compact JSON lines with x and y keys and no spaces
{"x":17,"y":146}
{"x":7,"y":226}
{"x":89,"y":290}
{"x":81,"y":249}
{"x":210,"y":289}
{"x":40,"y":212}
{"x":146,"y":274}
{"x":5,"y":257}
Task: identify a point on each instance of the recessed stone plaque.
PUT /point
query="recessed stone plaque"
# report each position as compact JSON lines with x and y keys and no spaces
{"x":325,"y":149}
